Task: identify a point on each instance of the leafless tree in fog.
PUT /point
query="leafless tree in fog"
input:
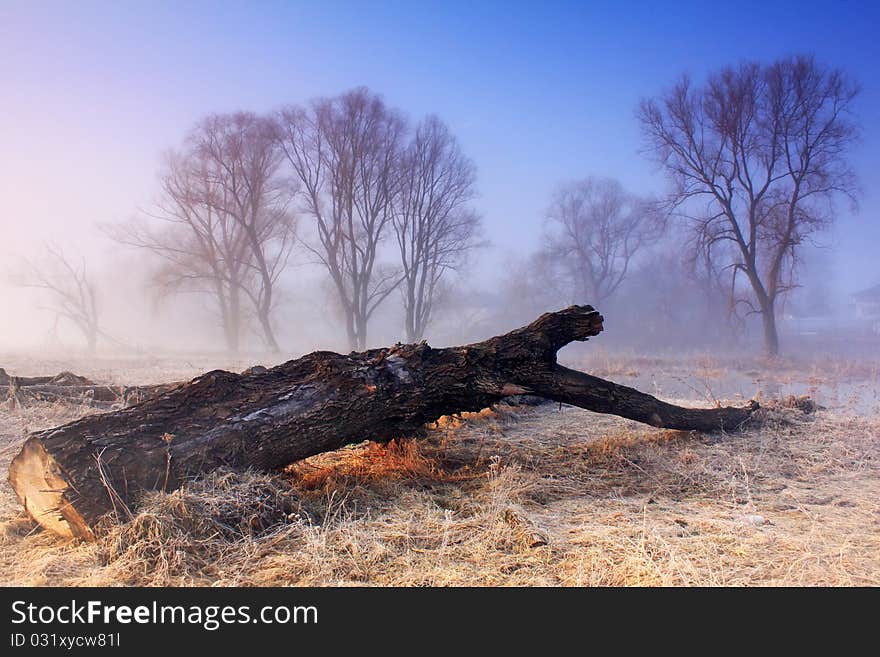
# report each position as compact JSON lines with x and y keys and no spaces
{"x":434,"y":227}
{"x":72,"y":292}
{"x":345,"y":153}
{"x":757,"y":157}
{"x":244,"y":159}
{"x":225,"y":227}
{"x":530,"y":285}
{"x":671,"y":299}
{"x":202,"y":247}
{"x":594,"y":230}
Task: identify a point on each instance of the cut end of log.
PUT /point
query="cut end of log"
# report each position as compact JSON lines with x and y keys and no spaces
{"x":41,"y":488}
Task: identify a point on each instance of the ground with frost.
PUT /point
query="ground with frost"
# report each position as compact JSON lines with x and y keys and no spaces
{"x":509,"y":496}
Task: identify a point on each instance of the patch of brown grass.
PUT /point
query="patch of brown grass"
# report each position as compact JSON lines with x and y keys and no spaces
{"x":538,"y":496}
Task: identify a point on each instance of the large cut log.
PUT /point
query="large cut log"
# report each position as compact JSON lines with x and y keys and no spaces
{"x":68,"y":477}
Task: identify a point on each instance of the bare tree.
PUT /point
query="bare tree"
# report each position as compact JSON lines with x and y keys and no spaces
{"x":345,"y":152}
{"x":243,"y":156}
{"x":71,"y":291}
{"x":670,"y":299}
{"x":203,"y":248}
{"x":434,"y":227}
{"x":594,"y":230}
{"x":529,"y":285}
{"x":757,"y":157}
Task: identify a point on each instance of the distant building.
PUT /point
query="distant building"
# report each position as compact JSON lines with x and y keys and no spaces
{"x":867,"y":303}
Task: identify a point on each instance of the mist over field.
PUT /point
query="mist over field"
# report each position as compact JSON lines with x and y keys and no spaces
{"x":92,"y":115}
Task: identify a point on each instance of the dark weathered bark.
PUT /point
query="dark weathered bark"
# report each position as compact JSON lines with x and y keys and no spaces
{"x":68,"y":477}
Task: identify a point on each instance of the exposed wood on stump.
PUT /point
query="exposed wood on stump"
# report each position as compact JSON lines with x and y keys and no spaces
{"x":70,"y":476}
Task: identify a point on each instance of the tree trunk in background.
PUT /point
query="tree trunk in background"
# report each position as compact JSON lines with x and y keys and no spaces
{"x":264,"y":305}
{"x":409,"y":314}
{"x":361,"y":331}
{"x":771,"y":335}
{"x":68,"y":477}
{"x":233,"y":320}
{"x":268,"y":333}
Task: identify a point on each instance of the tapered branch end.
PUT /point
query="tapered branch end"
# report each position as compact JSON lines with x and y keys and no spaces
{"x":573,"y":324}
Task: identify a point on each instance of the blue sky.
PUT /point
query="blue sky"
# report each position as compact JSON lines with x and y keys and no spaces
{"x":538,"y":93}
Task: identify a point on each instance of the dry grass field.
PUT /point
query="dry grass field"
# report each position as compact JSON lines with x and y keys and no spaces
{"x":528,"y":496}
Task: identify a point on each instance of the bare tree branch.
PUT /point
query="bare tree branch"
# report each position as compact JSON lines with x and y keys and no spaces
{"x":765,"y":147}
{"x":434,"y":227}
{"x":594,"y":230}
{"x":345,"y":153}
{"x":72,"y":292}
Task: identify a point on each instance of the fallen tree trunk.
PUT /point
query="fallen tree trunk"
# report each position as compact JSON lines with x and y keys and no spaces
{"x":74,"y":389}
{"x":68,"y":477}
{"x":64,"y":378}
{"x":101,"y":396}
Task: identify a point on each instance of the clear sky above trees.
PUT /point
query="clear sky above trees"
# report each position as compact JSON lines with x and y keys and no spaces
{"x":93,"y":92}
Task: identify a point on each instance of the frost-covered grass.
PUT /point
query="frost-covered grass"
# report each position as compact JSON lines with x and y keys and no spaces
{"x":511,"y":496}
